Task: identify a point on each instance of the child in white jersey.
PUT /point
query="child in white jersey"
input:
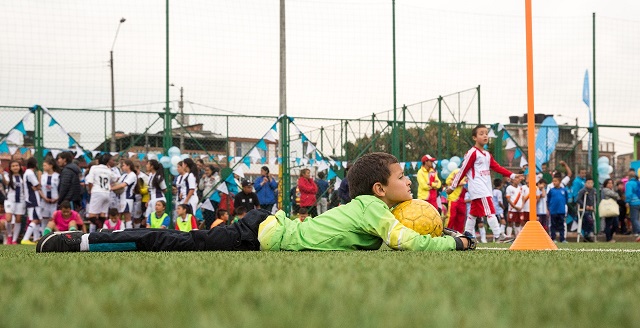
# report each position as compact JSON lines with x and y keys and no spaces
{"x":32,"y":200}
{"x":14,"y":205}
{"x":515,"y":198}
{"x":477,"y":166}
{"x":49,"y":180}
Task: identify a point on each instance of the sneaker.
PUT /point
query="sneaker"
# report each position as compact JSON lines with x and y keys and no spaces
{"x":638,"y":240}
{"x":504,"y":239}
{"x":26,"y":242}
{"x":483,"y":240}
{"x":65,"y":241}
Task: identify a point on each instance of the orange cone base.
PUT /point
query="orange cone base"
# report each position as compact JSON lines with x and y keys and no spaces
{"x":533,"y":238}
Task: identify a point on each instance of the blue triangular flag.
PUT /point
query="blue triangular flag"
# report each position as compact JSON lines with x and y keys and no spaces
{"x":20,"y":127}
{"x":297,"y":160}
{"x":215,"y":197}
{"x":23,"y":150}
{"x":419,"y":165}
{"x":263,"y":160}
{"x":159,"y":156}
{"x":52,"y":122}
{"x":274,"y":127}
{"x":140,"y":156}
{"x":45,"y":152}
{"x":407,"y":165}
{"x":303,"y":137}
{"x":311,"y":161}
{"x":261,"y":144}
{"x":71,"y":142}
{"x":4,"y":148}
{"x":331,"y":174}
{"x":247,"y":161}
{"x":279,"y":160}
{"x":585,"y":89}
{"x":87,"y":159}
{"x":230,"y":158}
{"x":199,"y":214}
{"x":517,"y":154}
{"x":230,"y":180}
{"x":505,"y":135}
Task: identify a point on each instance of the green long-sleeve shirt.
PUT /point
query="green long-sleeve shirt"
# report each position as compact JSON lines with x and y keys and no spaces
{"x":364,"y":223}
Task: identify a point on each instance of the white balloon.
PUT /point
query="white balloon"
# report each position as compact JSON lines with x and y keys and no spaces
{"x":452,"y":166}
{"x":175,"y":160}
{"x":603,"y":159}
{"x":610,"y":169}
{"x":456,"y":159}
{"x":173,"y":151}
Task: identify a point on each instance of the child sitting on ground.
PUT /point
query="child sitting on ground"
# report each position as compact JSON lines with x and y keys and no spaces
{"x":158,"y":219}
{"x":240,"y":213}
{"x":114,"y":222}
{"x":376,"y":184}
{"x":222,"y":216}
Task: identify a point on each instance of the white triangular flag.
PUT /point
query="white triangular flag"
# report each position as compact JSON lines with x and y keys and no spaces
{"x":304,"y":161}
{"x":79,"y":151}
{"x":221,"y":157}
{"x":239,"y":171}
{"x":413,"y":165}
{"x":114,"y":153}
{"x":33,"y":151}
{"x":269,"y":136}
{"x":310,"y":148}
{"x":332,"y":162}
{"x":62,"y":131}
{"x":55,"y":152}
{"x":322,"y":165}
{"x":203,"y":156}
{"x":273,"y":160}
{"x":238,"y":159}
{"x":15,"y":137}
{"x":255,"y":154}
{"x":492,"y":134}
{"x":208,"y":206}
{"x":295,"y":131}
{"x":94,"y":153}
{"x":523,"y":161}
{"x":131,"y":154}
{"x":337,"y":184}
{"x":510,"y":144}
{"x":344,"y":164}
{"x":12,"y":150}
{"x":223,"y":188}
{"x":500,"y":127}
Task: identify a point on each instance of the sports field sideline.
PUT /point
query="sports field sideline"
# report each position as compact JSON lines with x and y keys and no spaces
{"x":489,"y":287}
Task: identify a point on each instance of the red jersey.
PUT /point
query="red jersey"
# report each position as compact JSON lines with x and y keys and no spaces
{"x":477,"y":166}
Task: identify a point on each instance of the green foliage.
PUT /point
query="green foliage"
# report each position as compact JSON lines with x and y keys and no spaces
{"x":320,"y":289}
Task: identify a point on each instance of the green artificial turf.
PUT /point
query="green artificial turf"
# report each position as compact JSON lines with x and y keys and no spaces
{"x":484,"y":288}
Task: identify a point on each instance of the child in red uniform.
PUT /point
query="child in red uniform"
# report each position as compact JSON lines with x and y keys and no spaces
{"x":477,"y":166}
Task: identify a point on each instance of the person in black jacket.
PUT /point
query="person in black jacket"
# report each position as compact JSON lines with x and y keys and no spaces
{"x":69,"y":188}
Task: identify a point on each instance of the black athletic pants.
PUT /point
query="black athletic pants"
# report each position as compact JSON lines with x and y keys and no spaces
{"x":240,"y":236}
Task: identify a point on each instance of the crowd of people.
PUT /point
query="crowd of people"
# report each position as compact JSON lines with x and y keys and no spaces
{"x":125,"y":195}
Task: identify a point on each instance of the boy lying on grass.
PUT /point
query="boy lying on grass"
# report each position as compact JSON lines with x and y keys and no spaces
{"x":376,"y":183}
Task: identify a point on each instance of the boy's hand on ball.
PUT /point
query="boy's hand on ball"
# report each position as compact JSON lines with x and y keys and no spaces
{"x":465,"y":241}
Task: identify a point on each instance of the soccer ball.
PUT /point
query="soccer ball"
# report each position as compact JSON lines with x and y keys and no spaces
{"x":419,"y":216}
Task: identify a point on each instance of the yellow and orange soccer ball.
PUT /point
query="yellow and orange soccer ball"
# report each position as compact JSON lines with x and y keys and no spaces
{"x":419,"y":216}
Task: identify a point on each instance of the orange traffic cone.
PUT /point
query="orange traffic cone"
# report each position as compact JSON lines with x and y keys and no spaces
{"x":533,"y":237}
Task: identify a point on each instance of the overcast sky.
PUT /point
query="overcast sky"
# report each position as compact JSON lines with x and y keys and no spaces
{"x":339,"y":60}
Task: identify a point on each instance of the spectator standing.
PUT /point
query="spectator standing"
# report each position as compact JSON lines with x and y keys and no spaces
{"x":611,"y":223}
{"x":126,"y":187}
{"x":623,"y":220}
{"x":266,"y":187}
{"x":632,"y":198}
{"x":14,"y":205}
{"x":428,"y":182}
{"x":343,"y":189}
{"x":557,"y":198}
{"x":586,"y":202}
{"x":515,"y":199}
{"x":69,"y":187}
{"x":308,"y":190}
{"x":50,"y":181}
{"x":457,"y":206}
{"x":207,"y":182}
{"x":246,"y":198}
{"x":541,"y":204}
{"x":33,"y":202}
{"x":323,"y":193}
{"x":99,"y":181}
{"x":498,"y":204}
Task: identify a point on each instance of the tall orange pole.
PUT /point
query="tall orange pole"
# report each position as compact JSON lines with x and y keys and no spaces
{"x":531,"y":137}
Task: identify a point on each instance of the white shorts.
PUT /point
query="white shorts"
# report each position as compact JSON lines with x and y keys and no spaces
{"x":115,"y":200}
{"x":48,"y":209}
{"x":151,"y":206}
{"x":126,"y":206}
{"x":15,"y":208}
{"x":34,"y":213}
{"x":137,"y":209}
{"x":100,"y":202}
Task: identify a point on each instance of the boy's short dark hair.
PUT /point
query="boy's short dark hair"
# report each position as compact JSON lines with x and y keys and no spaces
{"x":321,"y":175}
{"x":557,"y":175}
{"x":587,"y":178}
{"x":65,"y":204}
{"x":474,"y":132}
{"x":222,"y":211}
{"x":240,"y":210}
{"x":303,"y":210}
{"x":497,"y":183}
{"x":113,"y":212}
{"x":367,"y":170}
{"x":66,"y":155}
{"x":542,"y":181}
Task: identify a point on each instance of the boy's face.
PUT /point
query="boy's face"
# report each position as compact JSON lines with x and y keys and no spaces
{"x":159,"y":207}
{"x":225,"y":217}
{"x":589,"y":184}
{"x":556,"y":182}
{"x":515,"y":181}
{"x":113,"y":218}
{"x":541,"y":186}
{"x":482,"y":136}
{"x":247,"y":189}
{"x":397,"y":189}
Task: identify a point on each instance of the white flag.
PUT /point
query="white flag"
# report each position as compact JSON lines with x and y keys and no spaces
{"x":310,"y":148}
{"x":492,"y":134}
{"x":414,"y":164}
{"x":239,"y":171}
{"x":208,"y":206}
{"x":55,"y":152}
{"x":221,"y":158}
{"x":254,"y":154}
{"x":131,"y":154}
{"x":223,"y":188}
{"x":15,"y":137}
{"x":79,"y":151}
{"x":344,"y":164}
{"x":12,"y":150}
{"x":273,"y":160}
{"x":523,"y":161}
{"x":304,"y":161}
{"x":269,"y":136}
{"x":322,"y":166}
{"x":94,"y":153}
{"x":510,"y":144}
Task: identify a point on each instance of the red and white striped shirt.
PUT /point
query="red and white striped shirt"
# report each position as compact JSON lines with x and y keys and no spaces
{"x":477,"y":166}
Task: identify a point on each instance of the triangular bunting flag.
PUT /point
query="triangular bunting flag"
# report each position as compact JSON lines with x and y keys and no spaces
{"x":331,"y":174}
{"x":304,"y":161}
{"x":223,"y":188}
{"x":310,"y":148}
{"x":261,"y":144}
{"x":500,"y":127}
{"x":87,"y":159}
{"x":52,"y":122}
{"x":45,"y":152}
{"x":304,"y":138}
{"x":279,"y":160}
{"x":247,"y":161}
{"x":221,"y":158}
{"x":517,"y":154}
{"x":71,"y":142}
{"x":274,"y":127}
{"x":492,"y":134}
{"x":140,"y":156}
{"x":15,"y":137}
{"x":239,"y":172}
{"x":510,"y":144}
{"x":131,"y":154}
{"x":208,"y":206}
{"x":203,"y":156}
{"x":322,"y":165}
{"x":269,"y":136}
{"x":273,"y":160}
{"x":255,"y":154}
{"x":13,"y":150}
{"x":20,"y":127}
{"x":4,"y":148}
{"x":79,"y":151}
{"x":337,"y":184}
{"x":23,"y":150}
{"x":413,"y":165}
{"x":55,"y":152}
{"x":263,"y":160}
{"x":215,"y":197}
{"x":344,"y":164}
{"x":523,"y":162}
{"x":297,"y":160}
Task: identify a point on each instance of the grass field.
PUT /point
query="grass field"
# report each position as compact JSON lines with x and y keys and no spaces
{"x":485,"y":288}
